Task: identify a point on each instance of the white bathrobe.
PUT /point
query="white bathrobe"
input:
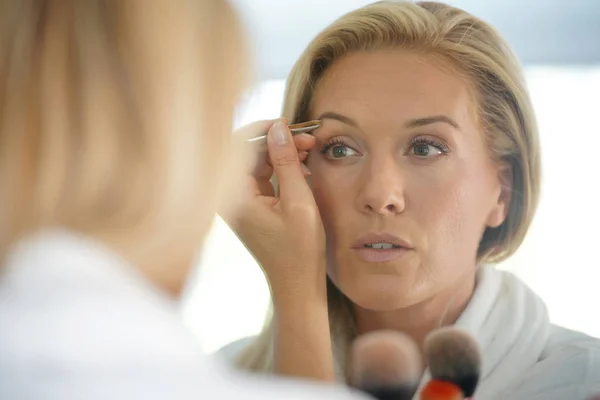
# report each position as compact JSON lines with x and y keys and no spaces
{"x":525,"y":357}
{"x":77,"y":323}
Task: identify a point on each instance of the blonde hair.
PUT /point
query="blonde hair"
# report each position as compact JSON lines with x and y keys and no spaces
{"x":476,"y":51}
{"x":114,"y":117}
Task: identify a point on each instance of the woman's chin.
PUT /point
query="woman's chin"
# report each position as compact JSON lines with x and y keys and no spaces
{"x":379,"y":292}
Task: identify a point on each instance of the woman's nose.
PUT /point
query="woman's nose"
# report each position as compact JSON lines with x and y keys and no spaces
{"x":382,"y":190}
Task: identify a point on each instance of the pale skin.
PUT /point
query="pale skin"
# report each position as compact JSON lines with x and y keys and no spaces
{"x":401,"y":151}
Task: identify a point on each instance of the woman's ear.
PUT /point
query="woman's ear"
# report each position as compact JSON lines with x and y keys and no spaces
{"x":499,"y":211}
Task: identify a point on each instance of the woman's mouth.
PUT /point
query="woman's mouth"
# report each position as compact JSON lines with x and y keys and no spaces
{"x":379,"y":248}
{"x":380,"y":254}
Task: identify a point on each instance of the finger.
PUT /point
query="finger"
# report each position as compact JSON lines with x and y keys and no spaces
{"x":305,"y":170}
{"x":264,"y":172}
{"x":286,"y":164}
{"x":302,"y":156}
{"x":248,"y":191}
{"x":265,"y":188}
{"x":304,"y":141}
{"x":263,"y":169}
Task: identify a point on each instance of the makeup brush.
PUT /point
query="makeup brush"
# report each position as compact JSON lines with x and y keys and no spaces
{"x":385,"y":364}
{"x":454,"y":358}
{"x":295,"y":129}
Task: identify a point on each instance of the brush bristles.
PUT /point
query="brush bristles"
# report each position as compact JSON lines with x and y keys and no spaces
{"x":384,"y":360}
{"x":454,"y":356}
{"x":402,"y":392}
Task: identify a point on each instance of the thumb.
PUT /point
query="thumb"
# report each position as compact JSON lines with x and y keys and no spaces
{"x":286,"y":164}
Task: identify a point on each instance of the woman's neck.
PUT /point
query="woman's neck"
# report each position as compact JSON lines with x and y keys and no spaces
{"x":419,"y":319}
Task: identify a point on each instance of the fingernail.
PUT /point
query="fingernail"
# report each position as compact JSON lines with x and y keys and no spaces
{"x":305,"y":169}
{"x":279,"y":130}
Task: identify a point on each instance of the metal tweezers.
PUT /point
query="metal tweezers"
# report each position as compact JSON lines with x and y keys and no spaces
{"x":295,"y":129}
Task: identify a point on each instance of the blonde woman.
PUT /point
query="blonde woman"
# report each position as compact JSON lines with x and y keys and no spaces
{"x":114,"y":144}
{"x":426,"y":170}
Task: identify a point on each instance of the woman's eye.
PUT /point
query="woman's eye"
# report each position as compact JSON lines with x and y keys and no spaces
{"x":340,"y":151}
{"x":425,"y":150}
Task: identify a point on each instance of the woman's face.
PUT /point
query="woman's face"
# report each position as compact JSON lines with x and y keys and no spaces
{"x":400,"y":162}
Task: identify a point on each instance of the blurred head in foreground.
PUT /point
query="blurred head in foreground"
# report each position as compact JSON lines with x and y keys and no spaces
{"x":115,"y":123}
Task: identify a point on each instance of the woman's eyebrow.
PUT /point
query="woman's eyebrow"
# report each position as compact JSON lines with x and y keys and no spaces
{"x":413,"y":123}
{"x":338,"y":117}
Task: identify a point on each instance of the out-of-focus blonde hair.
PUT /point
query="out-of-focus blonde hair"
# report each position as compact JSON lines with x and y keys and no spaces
{"x":115,"y":120}
{"x":476,"y":51}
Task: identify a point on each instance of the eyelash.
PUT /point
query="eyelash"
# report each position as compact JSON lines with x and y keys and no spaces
{"x":443,"y":148}
{"x":430,"y":142}
{"x":332,"y":143}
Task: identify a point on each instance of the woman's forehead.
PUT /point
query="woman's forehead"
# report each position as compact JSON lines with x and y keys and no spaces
{"x":392,"y":84}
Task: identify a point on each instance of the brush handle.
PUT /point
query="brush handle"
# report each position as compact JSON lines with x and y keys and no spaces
{"x":441,"y":390}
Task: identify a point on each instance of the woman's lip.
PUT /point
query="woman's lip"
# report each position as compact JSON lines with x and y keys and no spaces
{"x":372,"y":238}
{"x":380,"y":255}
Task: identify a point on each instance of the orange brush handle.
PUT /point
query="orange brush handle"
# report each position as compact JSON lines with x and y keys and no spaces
{"x":440,"y":390}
